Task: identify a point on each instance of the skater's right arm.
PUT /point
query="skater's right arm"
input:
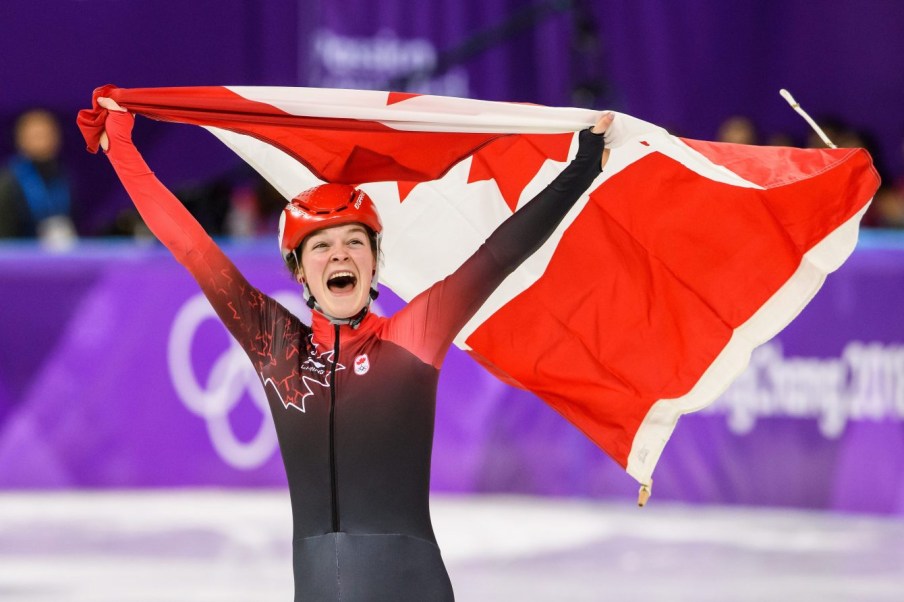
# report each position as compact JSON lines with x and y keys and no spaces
{"x":241,"y":307}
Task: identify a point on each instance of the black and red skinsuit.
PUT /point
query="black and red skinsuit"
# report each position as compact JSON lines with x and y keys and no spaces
{"x":354,"y":407}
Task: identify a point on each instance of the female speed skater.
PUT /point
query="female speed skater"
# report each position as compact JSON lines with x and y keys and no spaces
{"x":352,"y":394}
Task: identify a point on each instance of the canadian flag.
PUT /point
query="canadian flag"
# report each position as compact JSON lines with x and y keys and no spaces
{"x":649,"y":298}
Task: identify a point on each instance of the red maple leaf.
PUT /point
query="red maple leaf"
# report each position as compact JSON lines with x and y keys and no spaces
{"x":405,"y":188}
{"x":395,"y":97}
{"x":513,"y":161}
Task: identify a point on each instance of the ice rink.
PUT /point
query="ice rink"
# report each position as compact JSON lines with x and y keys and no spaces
{"x":185,"y":545}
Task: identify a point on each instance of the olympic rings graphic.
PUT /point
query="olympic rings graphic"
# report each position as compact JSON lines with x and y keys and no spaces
{"x":231,"y":379}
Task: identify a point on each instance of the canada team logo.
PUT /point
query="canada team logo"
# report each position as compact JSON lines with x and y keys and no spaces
{"x":362,"y":364}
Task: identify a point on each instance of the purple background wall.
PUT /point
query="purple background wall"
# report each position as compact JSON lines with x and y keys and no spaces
{"x":114,"y":371}
{"x":686,"y":65}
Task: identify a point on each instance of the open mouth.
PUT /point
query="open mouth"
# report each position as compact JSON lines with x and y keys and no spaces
{"x":341,"y":282}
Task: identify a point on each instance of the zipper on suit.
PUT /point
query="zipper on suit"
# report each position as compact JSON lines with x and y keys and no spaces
{"x":334,"y":499}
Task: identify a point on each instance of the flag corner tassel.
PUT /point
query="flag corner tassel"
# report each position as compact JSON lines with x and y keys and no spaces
{"x":644,"y":494}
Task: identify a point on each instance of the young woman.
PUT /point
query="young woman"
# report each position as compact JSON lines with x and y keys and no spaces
{"x":352,"y":394}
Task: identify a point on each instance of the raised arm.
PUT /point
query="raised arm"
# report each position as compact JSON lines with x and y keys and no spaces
{"x":431,"y":321}
{"x":163,"y":213}
{"x":241,"y":307}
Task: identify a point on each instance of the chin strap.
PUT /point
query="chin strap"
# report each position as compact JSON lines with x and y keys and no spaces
{"x":353,"y":321}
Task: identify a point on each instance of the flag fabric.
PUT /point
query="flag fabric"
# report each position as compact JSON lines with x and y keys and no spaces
{"x":647,"y":301}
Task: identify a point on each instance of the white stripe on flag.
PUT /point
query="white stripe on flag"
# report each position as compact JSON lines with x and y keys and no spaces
{"x":286,"y":174}
{"x":772,"y":317}
{"x":422,"y":113}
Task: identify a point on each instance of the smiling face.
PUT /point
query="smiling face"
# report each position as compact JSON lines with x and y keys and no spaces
{"x":338,"y":264}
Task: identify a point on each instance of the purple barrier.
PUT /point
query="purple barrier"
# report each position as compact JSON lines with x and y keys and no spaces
{"x":115,"y":373}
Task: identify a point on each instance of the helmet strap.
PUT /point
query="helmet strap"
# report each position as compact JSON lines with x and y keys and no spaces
{"x":353,"y":321}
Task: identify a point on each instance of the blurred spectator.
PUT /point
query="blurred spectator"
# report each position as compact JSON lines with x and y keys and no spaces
{"x":255,"y":210}
{"x":237,"y":203}
{"x":737,"y":130}
{"x":254,"y":205}
{"x":35,"y":196}
{"x":887,"y":210}
{"x":128,"y":223}
{"x":831,"y":126}
{"x":843,"y":135}
{"x":209,"y":201}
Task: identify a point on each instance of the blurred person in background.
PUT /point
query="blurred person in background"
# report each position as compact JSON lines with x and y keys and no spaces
{"x":35,"y":194}
{"x":737,"y":130}
{"x":255,"y":208}
{"x":834,"y":128}
{"x":887,"y":208}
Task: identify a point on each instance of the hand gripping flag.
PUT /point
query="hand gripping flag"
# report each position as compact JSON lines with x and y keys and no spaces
{"x":649,"y":298}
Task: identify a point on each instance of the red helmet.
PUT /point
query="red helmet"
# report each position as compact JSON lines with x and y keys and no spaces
{"x":322,"y":207}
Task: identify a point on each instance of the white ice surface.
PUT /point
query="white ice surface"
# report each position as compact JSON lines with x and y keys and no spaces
{"x":186,"y":545}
